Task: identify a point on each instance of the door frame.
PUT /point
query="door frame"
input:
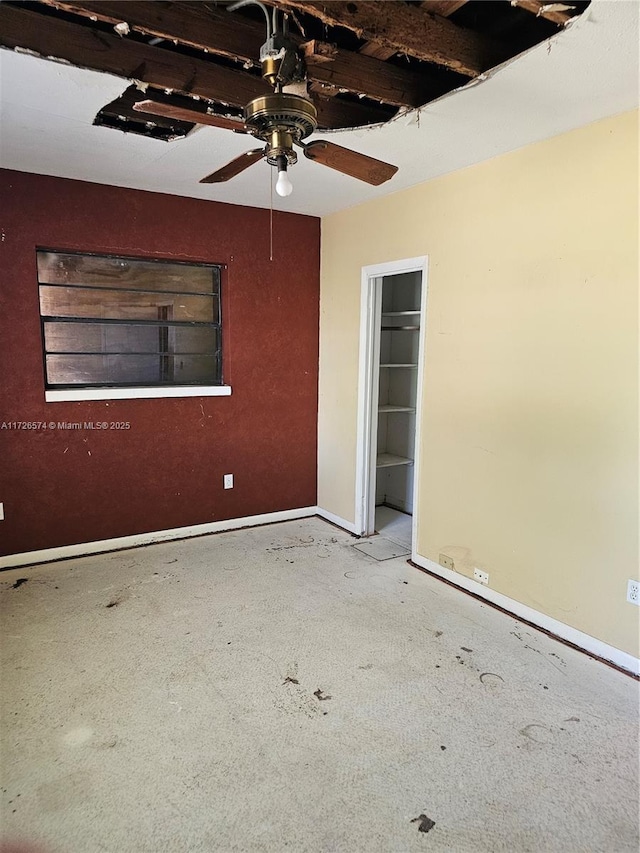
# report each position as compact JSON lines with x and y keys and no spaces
{"x":367,"y":423}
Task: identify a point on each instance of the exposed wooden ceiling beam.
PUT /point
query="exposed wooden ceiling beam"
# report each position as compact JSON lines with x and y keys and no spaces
{"x":334,"y":113}
{"x":363,"y":75}
{"x":444,"y":8}
{"x":407,"y":29}
{"x":547,"y":10}
{"x":89,"y":48}
{"x":164,"y":69}
{"x":195,"y":24}
{"x":230,"y":35}
{"x":377,"y":51}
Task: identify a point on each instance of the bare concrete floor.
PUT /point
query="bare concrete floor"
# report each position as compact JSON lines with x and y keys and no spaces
{"x":276,"y":690}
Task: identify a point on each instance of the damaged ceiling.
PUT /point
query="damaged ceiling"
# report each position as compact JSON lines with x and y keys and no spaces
{"x":364,"y":61}
{"x":430,"y":86}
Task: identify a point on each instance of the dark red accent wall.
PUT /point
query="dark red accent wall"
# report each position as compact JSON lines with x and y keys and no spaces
{"x":64,"y":487}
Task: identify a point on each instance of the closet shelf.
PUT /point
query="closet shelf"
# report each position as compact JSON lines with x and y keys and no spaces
{"x":396,"y":409}
{"x":407,"y":365}
{"x":400,"y":328}
{"x":386,"y":460}
{"x":400,"y":313}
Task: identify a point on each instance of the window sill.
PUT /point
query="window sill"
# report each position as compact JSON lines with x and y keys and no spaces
{"x":69,"y":395}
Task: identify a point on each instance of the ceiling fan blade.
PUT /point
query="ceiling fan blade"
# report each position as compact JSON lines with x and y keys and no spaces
{"x":348,"y":162}
{"x":235,"y":167}
{"x":159,"y":108}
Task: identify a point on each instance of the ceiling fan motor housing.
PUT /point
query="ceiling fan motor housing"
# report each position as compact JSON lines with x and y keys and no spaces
{"x":281,"y":121}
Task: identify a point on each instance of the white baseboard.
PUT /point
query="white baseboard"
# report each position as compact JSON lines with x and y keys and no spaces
{"x":547,"y":623}
{"x":64,"y":552}
{"x":540,"y":620}
{"x":396,"y":503}
{"x":335,"y":519}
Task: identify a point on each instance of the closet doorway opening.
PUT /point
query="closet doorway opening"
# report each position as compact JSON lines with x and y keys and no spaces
{"x":392,"y":332}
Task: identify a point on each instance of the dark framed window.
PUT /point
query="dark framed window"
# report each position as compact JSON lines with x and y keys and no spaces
{"x":118,"y":322}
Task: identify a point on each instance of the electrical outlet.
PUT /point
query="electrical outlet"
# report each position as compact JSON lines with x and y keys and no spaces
{"x":228,"y":481}
{"x":633,"y":592}
{"x":446,"y":562}
{"x":480,"y":576}
{"x":1,"y":512}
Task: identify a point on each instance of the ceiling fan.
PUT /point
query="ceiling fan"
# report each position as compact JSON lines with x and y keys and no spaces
{"x":282,"y":119}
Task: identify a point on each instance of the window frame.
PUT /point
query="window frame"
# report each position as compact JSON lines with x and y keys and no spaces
{"x":120,"y":391}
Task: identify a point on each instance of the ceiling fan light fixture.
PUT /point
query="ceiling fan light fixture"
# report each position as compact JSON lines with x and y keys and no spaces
{"x":284,"y":187}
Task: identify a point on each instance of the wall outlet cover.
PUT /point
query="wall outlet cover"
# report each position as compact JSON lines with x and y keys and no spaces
{"x":633,"y":592}
{"x":480,"y":576}
{"x":228,"y":481}
{"x":1,"y":512}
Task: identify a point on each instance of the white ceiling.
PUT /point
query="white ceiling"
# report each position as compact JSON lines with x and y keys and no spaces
{"x":585,"y":73}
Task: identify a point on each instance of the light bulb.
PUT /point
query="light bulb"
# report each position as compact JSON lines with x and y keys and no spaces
{"x":284,"y":187}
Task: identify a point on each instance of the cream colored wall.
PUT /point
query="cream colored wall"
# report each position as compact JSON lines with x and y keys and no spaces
{"x":529,"y":435}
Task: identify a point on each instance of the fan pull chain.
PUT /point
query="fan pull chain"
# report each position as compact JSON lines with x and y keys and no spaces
{"x":271,"y":215}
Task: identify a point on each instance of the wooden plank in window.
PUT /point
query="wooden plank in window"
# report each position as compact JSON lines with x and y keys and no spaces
{"x":61,"y":337}
{"x":123,"y":273}
{"x":130,"y":369}
{"x":105,"y":304}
